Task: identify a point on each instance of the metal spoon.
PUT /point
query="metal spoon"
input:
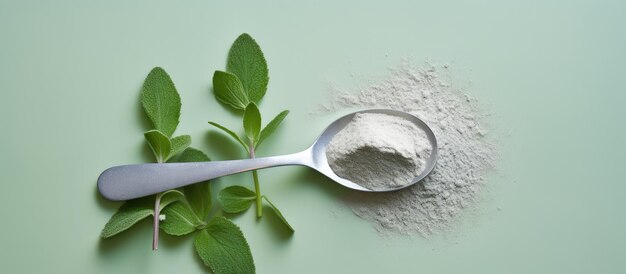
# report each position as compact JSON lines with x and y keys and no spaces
{"x":133,"y":181}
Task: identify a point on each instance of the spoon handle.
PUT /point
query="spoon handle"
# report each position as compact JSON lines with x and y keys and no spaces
{"x":133,"y":181}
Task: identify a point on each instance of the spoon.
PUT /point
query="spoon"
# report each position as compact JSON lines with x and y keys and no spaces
{"x":133,"y":181}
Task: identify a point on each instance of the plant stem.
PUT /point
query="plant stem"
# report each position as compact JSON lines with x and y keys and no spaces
{"x":257,"y":188}
{"x":259,"y":205}
{"x":155,"y":231}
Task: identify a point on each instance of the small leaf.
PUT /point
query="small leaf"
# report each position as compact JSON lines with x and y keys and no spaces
{"x":223,"y":248}
{"x":271,"y":127}
{"x":161,"y":101}
{"x":127,"y":215}
{"x":180,"y":219}
{"x":199,"y":194}
{"x":159,"y":143}
{"x":246,"y":60}
{"x":252,"y":122}
{"x":199,"y":197}
{"x":192,"y":155}
{"x":280,"y":215}
{"x":236,"y":199}
{"x":229,"y":90}
{"x":231,"y":134}
{"x":169,"y":197}
{"x":179,"y":143}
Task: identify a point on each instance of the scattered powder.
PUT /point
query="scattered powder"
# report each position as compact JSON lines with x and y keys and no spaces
{"x":379,"y":151}
{"x":465,"y":154}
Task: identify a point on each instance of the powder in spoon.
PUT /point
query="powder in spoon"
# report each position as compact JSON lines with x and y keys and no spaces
{"x":379,"y":151}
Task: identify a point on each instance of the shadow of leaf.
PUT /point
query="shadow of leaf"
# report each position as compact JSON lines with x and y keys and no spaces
{"x":223,"y":147}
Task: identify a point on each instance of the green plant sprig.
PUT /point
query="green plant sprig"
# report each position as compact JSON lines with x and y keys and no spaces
{"x":219,"y":242}
{"x":241,"y":87}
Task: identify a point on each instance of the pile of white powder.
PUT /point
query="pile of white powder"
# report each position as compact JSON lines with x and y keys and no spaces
{"x":465,"y":154}
{"x":379,"y":151}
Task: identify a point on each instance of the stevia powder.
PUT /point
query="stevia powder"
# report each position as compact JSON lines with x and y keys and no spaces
{"x":379,"y":151}
{"x":466,"y":153}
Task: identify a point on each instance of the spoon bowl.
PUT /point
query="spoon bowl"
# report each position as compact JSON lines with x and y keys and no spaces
{"x":318,"y":149}
{"x":133,"y":181}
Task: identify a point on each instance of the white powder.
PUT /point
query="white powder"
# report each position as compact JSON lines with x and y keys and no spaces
{"x":379,"y":151}
{"x":465,"y":154}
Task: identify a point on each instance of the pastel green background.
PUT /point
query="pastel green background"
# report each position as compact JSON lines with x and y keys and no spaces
{"x":552,"y":72}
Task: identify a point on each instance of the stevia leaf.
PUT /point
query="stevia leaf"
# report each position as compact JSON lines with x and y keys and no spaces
{"x":246,"y":60}
{"x":229,"y":90}
{"x":159,"y":143}
{"x":179,"y":143}
{"x":223,"y":248}
{"x":278,"y":213}
{"x":199,"y":197}
{"x":271,"y":127}
{"x":252,"y":122}
{"x":161,"y":101}
{"x":192,"y":155}
{"x":231,"y":134}
{"x":170,"y":196}
{"x":236,"y":199}
{"x":199,"y":194}
{"x":179,"y":219}
{"x":131,"y":212}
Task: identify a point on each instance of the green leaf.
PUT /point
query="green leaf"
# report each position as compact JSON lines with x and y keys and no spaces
{"x":229,"y":90}
{"x":236,"y":199}
{"x":223,"y":248}
{"x":246,"y":60}
{"x":179,"y":143}
{"x":169,"y":197}
{"x":199,"y":194}
{"x":192,"y":155}
{"x":180,"y":219}
{"x":160,"y":145}
{"x":231,"y":134}
{"x":252,"y":122}
{"x":199,"y":197}
{"x":161,"y":101}
{"x":280,"y":215}
{"x":127,"y":215}
{"x":271,"y":127}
